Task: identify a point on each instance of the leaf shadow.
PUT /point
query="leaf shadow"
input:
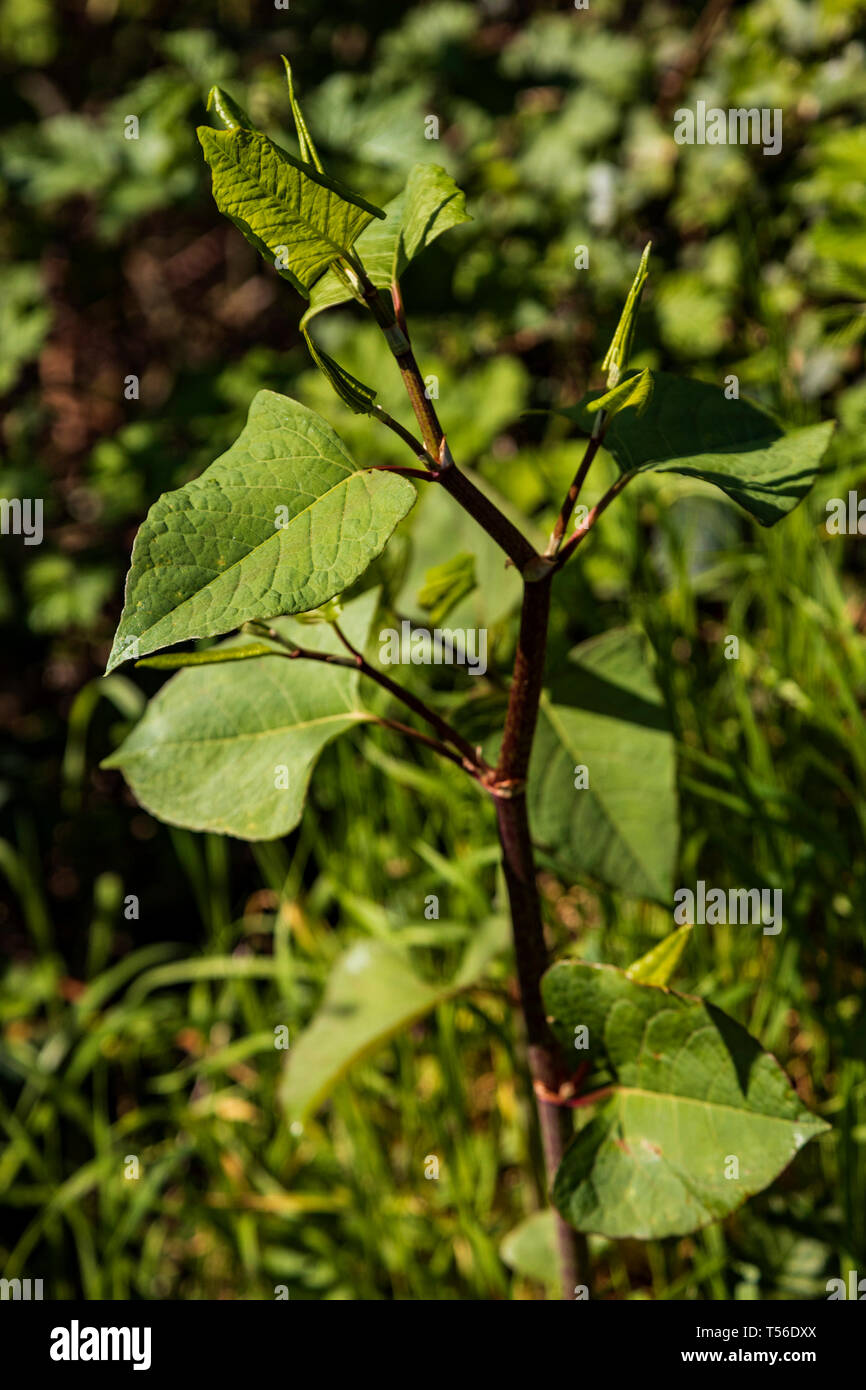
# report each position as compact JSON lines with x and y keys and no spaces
{"x":583,"y":689}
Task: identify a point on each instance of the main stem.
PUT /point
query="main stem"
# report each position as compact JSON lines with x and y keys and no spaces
{"x":528,"y":929}
{"x":508,"y":783}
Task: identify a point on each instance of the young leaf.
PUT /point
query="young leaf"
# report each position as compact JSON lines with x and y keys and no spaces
{"x":659,"y":963}
{"x":690,"y":427}
{"x":445,"y":585}
{"x":699,"y":1118}
{"x":617,"y":355}
{"x":298,"y":218}
{"x":230,"y":748}
{"x":635,"y":391}
{"x":604,"y":714}
{"x":372,"y":994}
{"x":352,"y":392}
{"x":309,"y":153}
{"x":438,"y":528}
{"x":280,"y":523}
{"x":429,"y":205}
{"x":230,"y":112}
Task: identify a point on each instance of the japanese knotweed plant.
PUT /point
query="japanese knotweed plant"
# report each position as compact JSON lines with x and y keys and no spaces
{"x":689,"y":1116}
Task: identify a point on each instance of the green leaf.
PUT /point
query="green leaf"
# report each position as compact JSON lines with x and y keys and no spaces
{"x":372,"y":994}
{"x":280,"y":523}
{"x":604,"y":712}
{"x":287,"y":209}
{"x":530,"y":1249}
{"x":635,"y":391}
{"x":436,"y":528}
{"x":659,"y":963}
{"x":352,"y":392}
{"x":692,"y":1092}
{"x":617,"y":355}
{"x":214,"y":656}
{"x":429,"y":205}
{"x":690,"y":427}
{"x":232,"y":115}
{"x":446,"y":584}
{"x":207,"y":752}
{"x":309,"y":153}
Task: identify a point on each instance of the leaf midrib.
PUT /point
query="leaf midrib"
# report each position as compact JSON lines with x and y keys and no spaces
{"x":619,"y":1089}
{"x":286,"y":213}
{"x":351,"y":716}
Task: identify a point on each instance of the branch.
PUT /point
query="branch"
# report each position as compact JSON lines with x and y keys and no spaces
{"x":577,"y":536}
{"x":530,"y":946}
{"x":470,"y":758}
{"x":488,"y":516}
{"x":407,"y":437}
{"x":422,"y":738}
{"x":446,"y":732}
{"x":573,"y":493}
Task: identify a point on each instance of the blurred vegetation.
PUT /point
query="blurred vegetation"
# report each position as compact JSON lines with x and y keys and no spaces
{"x":153,"y":1036}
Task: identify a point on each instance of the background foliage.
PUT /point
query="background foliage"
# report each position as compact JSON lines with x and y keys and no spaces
{"x":154,"y":1037}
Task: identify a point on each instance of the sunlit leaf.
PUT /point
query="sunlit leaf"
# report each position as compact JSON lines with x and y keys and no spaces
{"x":280,"y":523}
{"x":429,"y":205}
{"x":699,"y":1117}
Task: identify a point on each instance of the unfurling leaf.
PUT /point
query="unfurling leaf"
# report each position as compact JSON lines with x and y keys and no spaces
{"x":352,"y":392}
{"x":446,"y":584}
{"x":301,"y":220}
{"x":309,"y":153}
{"x":617,"y":355}
{"x":429,"y":205}
{"x":230,"y":112}
{"x":635,"y":391}
{"x":280,"y":523}
{"x":230,"y":748}
{"x":659,"y":963}
{"x":699,"y":1117}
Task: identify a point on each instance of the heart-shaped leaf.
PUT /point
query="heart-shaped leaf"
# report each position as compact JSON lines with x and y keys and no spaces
{"x":299,"y":218}
{"x":230,"y":748}
{"x":617,"y":820}
{"x":690,"y":427}
{"x":429,"y":205}
{"x":279,"y":524}
{"x":699,"y":1118}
